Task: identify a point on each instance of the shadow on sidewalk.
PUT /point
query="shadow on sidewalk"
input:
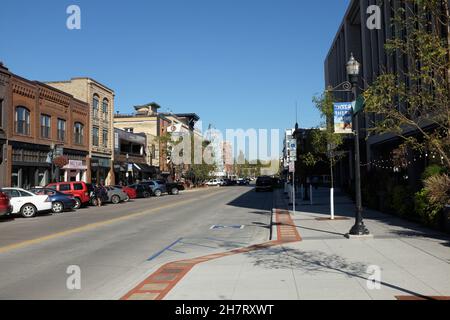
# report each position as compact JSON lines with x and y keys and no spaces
{"x":395,"y":226}
{"x":315,"y":263}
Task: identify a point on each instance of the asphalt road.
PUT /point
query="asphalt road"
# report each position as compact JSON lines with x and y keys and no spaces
{"x":117,"y":246}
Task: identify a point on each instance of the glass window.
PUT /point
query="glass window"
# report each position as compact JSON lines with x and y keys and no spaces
{"x":95,"y":105}
{"x":105,"y":138}
{"x":52,"y":187}
{"x":61,"y":129}
{"x":12,"y":193}
{"x":105,"y":105}
{"x":64,"y":187}
{"x":22,"y":119}
{"x":77,"y":186}
{"x":45,"y":126}
{"x":25,"y":194}
{"x":95,"y":136}
{"x":79,"y":133}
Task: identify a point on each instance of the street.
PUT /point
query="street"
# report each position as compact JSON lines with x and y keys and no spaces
{"x":116,"y":247}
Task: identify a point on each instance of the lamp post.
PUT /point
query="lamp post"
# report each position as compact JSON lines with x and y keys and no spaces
{"x":359,"y":229}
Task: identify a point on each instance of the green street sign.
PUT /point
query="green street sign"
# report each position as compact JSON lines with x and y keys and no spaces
{"x":359,"y":104}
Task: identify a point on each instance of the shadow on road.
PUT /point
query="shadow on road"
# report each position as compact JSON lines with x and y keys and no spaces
{"x":262,"y":202}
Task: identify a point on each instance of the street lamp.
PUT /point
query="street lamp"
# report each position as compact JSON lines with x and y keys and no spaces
{"x":359,"y":229}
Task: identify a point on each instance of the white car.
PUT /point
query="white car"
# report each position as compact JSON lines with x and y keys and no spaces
{"x":213,"y":183}
{"x":27,"y":203}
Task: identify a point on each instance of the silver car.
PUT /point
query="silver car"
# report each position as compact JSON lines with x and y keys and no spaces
{"x":116,"y":195}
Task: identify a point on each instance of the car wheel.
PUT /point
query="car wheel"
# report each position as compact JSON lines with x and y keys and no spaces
{"x":146,"y":194}
{"x":115,"y":199}
{"x":57,"y":207}
{"x":127,"y":198}
{"x":157,"y":193}
{"x":175,"y":191}
{"x":77,"y":203}
{"x":28,"y":211}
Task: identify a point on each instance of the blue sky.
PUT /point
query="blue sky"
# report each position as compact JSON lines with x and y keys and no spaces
{"x":236,"y":63}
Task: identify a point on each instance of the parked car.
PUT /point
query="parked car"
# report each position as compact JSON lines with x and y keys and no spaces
{"x":5,"y":204}
{"x":172,"y":188}
{"x":79,"y":190}
{"x":116,"y":195}
{"x":264,"y":183}
{"x":60,"y":201}
{"x":142,"y":190}
{"x":213,"y":183}
{"x":242,"y":182}
{"x":132,"y":194}
{"x":26,"y":203}
{"x":157,"y":188}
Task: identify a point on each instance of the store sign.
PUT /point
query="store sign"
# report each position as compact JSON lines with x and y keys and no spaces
{"x":75,"y":165}
{"x":343,"y":117}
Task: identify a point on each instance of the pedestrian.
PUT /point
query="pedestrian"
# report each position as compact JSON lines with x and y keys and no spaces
{"x":98,"y":196}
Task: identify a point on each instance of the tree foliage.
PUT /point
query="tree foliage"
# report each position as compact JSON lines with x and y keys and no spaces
{"x":416,"y":98}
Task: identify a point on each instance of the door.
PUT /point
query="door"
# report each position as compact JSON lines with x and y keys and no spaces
{"x":15,"y":199}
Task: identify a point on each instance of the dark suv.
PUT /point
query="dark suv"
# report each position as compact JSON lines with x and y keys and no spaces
{"x":264,"y":183}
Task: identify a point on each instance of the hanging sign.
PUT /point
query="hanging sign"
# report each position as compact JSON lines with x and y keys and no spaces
{"x":343,"y":117}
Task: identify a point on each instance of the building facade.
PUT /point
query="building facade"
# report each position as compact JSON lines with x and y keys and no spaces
{"x":130,"y":159}
{"x":101,"y":104}
{"x":368,"y":47}
{"x":4,"y":110}
{"x":45,"y":124}
{"x":154,"y":125}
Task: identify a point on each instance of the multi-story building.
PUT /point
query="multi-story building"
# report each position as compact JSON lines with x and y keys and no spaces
{"x":101,"y":101}
{"x":156,"y":125}
{"x":368,"y":47}
{"x":130,"y":160}
{"x":4,"y":110}
{"x":43,"y":121}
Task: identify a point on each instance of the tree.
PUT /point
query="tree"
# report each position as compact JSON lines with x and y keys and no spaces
{"x":416,"y":99}
{"x":325,"y":142}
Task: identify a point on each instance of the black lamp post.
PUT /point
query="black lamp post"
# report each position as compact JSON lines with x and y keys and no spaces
{"x":359,"y":229}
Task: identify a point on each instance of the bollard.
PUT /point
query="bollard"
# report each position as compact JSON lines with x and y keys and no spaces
{"x":332,"y":203}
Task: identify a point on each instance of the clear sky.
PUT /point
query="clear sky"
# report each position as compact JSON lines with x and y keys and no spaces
{"x":236,"y":63}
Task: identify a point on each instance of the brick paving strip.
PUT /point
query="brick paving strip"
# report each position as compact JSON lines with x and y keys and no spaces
{"x":162,"y":281}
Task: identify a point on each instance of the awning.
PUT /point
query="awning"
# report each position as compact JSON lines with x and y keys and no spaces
{"x":145,"y":168}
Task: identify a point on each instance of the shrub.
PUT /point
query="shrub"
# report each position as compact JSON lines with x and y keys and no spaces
{"x":432,"y":170}
{"x":428,"y":212}
{"x":438,"y":189}
{"x":401,"y":201}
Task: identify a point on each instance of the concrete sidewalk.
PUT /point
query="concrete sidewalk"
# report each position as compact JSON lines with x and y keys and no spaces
{"x":413,"y":261}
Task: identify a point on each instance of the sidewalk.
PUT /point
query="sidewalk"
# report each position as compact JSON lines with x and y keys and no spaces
{"x":414,"y":261}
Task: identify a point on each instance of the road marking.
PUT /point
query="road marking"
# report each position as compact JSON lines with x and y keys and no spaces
{"x":216,"y":227}
{"x":163,"y":280}
{"x":96,"y":225}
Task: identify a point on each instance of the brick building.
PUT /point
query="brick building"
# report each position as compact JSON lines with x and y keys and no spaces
{"x":42,"y":120}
